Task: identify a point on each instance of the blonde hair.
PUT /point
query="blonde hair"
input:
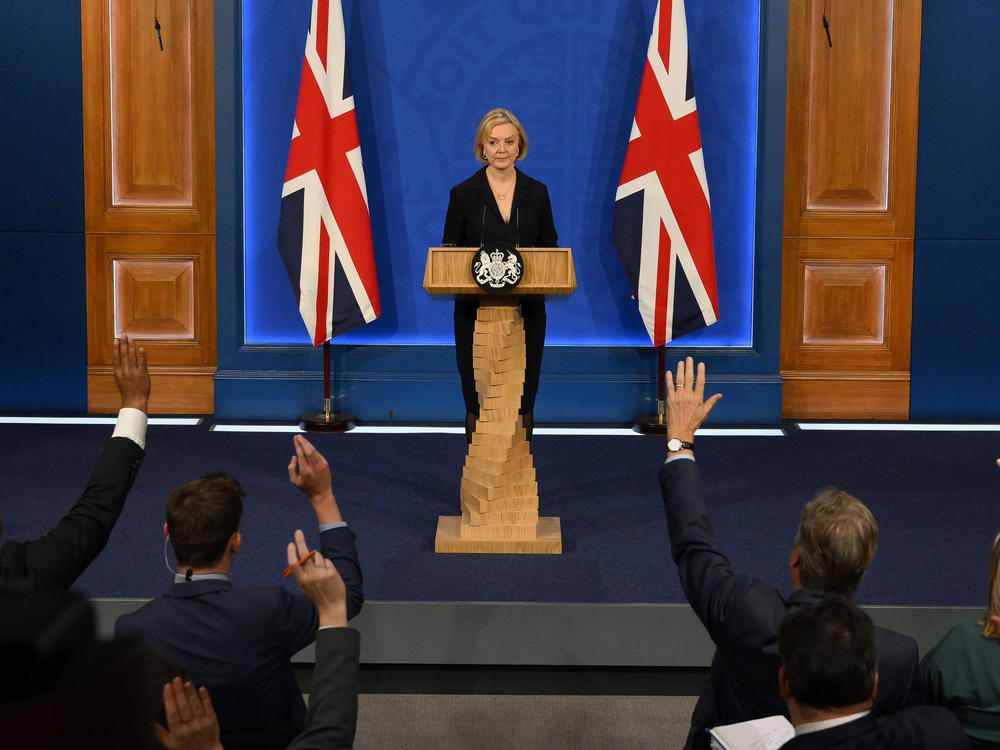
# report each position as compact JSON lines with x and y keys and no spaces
{"x":837,"y":538}
{"x":491,"y":119}
{"x":990,"y":630}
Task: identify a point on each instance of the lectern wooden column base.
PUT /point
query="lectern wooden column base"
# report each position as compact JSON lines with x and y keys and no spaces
{"x":499,"y":494}
{"x":548,"y":540}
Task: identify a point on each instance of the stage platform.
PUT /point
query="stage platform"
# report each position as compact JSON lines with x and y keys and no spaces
{"x":612,"y":598}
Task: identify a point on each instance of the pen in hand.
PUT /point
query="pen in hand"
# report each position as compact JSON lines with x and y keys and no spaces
{"x":303,"y":561}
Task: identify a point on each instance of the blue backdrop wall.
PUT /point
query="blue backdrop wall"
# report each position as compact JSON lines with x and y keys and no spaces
{"x":571,"y":72}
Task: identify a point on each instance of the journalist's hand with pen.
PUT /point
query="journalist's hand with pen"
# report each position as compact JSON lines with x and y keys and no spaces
{"x":320,"y":581}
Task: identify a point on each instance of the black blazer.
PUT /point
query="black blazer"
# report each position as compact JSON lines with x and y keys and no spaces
{"x":743,"y":614}
{"x":57,"y":559}
{"x":923,"y":728}
{"x":238,"y":642}
{"x":474,"y":217}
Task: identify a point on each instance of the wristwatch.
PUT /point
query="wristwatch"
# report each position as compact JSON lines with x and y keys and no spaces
{"x":676,"y":444}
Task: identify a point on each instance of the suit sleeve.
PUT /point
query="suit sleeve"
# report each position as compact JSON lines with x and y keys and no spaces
{"x":297,"y":612}
{"x":914,"y":694}
{"x":333,"y":698}
{"x":338,"y":545}
{"x":706,"y":576}
{"x":454,"y":221}
{"x":547,"y":235}
{"x":57,"y":559}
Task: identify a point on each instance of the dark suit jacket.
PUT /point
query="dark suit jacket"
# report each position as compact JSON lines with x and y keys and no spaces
{"x":923,"y":728}
{"x":238,"y":642}
{"x":57,"y":559}
{"x":474,"y":217}
{"x":333,"y":696}
{"x":743,"y":614}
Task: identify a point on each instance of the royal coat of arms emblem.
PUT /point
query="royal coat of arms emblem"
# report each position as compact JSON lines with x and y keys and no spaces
{"x":497,"y":267}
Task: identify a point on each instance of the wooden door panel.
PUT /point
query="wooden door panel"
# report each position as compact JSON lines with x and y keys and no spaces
{"x":850,"y":181}
{"x":149,"y":181}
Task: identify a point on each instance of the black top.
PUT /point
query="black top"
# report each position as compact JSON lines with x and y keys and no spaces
{"x":474,"y":217}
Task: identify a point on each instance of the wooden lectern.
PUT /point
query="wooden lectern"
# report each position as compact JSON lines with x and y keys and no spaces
{"x":499,"y":493}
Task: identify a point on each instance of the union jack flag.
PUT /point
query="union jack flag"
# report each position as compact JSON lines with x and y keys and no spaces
{"x":663,"y":220}
{"x":324,"y":233}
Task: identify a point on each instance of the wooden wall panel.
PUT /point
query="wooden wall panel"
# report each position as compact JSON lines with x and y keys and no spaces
{"x":149,"y":179}
{"x":854,"y":302}
{"x":149,"y":116}
{"x":851,"y":126}
{"x":160,"y":290}
{"x":850,"y":177}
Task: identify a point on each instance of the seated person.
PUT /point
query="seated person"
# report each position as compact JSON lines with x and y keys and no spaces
{"x":66,"y":689}
{"x":56,"y":560}
{"x":333,"y":702}
{"x":238,"y":642}
{"x":829,"y":677}
{"x":963,"y":671}
{"x":833,"y":548}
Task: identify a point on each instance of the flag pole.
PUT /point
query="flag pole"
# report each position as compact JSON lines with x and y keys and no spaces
{"x":656,"y":424}
{"x":326,"y":380}
{"x":327,"y":420}
{"x":661,"y":385}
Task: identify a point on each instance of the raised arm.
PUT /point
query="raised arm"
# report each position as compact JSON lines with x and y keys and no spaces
{"x":704,"y":570}
{"x":57,"y":559}
{"x":333,"y":700}
{"x":310,"y":472}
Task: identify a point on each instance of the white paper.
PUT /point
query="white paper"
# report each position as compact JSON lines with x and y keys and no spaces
{"x":768,"y":733}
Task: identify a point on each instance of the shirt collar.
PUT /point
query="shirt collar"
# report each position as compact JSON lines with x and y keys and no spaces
{"x":182,"y":578}
{"x":817,"y":726}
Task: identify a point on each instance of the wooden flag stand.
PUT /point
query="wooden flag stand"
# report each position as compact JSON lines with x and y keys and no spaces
{"x":499,"y":494}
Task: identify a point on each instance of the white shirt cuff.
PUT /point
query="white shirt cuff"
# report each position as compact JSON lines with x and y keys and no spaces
{"x":676,"y":456}
{"x":132,"y":425}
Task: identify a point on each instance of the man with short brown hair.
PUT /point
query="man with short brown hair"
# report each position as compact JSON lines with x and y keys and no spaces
{"x":238,"y":642}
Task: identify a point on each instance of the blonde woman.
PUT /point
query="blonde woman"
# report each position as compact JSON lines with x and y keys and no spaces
{"x":500,"y":203}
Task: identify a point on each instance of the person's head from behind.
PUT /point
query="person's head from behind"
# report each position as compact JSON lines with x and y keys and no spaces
{"x":834,"y":544}
{"x":991,"y":625}
{"x":829,"y":663}
{"x":500,"y":126}
{"x":203,"y":520}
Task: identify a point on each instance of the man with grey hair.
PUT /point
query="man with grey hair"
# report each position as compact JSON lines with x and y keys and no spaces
{"x":834,"y":545}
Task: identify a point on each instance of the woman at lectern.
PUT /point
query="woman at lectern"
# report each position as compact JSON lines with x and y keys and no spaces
{"x":500,"y":203}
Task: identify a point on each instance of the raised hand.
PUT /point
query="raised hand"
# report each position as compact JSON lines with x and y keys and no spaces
{"x":686,"y":404}
{"x":320,"y":581}
{"x":191,"y":721}
{"x":131,"y":374}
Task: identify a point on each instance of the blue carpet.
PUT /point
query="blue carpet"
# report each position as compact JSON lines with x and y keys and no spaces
{"x":933,"y":495}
